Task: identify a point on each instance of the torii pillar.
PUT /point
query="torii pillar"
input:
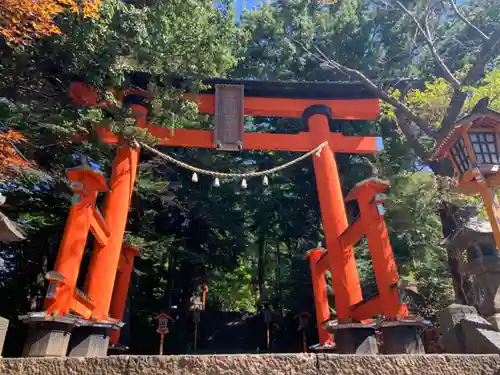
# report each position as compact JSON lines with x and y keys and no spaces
{"x":104,"y":261}
{"x":342,"y":263}
{"x":320,"y":297}
{"x":122,"y":284}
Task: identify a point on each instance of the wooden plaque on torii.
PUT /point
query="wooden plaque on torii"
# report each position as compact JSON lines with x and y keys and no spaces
{"x":229,"y":117}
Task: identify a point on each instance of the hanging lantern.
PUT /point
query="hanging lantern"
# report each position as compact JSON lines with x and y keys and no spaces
{"x":194,"y":178}
{"x":244,"y":184}
{"x":216,"y":182}
{"x":265,"y":181}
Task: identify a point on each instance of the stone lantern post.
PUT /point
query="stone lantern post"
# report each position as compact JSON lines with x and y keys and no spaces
{"x":483,"y":262}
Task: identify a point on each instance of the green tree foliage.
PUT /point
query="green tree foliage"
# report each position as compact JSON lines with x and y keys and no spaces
{"x":248,"y":244}
{"x":425,"y":33}
{"x":431,"y":101}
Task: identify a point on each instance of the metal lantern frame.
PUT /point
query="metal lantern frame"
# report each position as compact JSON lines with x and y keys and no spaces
{"x":476,"y":147}
{"x":472,"y":147}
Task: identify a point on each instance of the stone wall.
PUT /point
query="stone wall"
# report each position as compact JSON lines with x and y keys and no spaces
{"x":286,"y":364}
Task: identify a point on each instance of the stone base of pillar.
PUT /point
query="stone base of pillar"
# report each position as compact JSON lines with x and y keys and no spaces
{"x":356,"y":341}
{"x":403,"y":336}
{"x":403,"y":340}
{"x":89,"y":341}
{"x":117,"y":349}
{"x":326,"y":348}
{"x":47,"y":339}
{"x":354,"y":338}
{"x":4,"y":326}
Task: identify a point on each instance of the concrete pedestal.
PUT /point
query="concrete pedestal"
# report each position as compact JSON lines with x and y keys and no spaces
{"x":403,"y":339}
{"x":89,"y":342}
{"x":47,"y":339}
{"x":356,"y":341}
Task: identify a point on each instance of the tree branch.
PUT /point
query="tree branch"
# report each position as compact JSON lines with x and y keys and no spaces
{"x":466,"y":21}
{"x":404,"y":124}
{"x":424,"y":30}
{"x":426,"y":127}
{"x":420,"y":151}
{"x":402,"y":109}
{"x":475,"y":73}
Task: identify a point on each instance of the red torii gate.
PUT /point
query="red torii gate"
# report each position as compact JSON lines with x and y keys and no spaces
{"x":316,"y":104}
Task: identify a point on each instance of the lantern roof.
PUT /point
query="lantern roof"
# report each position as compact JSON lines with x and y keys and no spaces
{"x":480,"y":117}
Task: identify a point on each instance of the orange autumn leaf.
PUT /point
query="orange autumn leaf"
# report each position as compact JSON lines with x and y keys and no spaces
{"x":10,"y":159}
{"x":25,"y":20}
{"x":14,"y":136}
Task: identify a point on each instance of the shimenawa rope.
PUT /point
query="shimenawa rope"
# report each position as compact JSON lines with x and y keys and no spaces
{"x":194,"y":169}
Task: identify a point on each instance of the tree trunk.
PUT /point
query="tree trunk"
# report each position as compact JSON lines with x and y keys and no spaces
{"x":278,"y":279}
{"x":461,"y":285}
{"x":185,"y":317}
{"x":261,"y":267}
{"x":169,"y":290}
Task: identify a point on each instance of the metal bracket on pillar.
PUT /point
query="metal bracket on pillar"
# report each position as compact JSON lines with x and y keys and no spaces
{"x":316,"y":109}
{"x":77,"y":188}
{"x":379,"y":202}
{"x":55,"y":280}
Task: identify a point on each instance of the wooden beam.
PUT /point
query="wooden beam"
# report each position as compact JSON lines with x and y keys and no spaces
{"x":493,"y":180}
{"x":81,"y":307}
{"x":322,"y":264}
{"x":353,"y":109}
{"x":468,"y":188}
{"x":355,"y":145}
{"x":99,"y":228}
{"x":350,"y":237}
{"x":300,"y":142}
{"x":367,"y":308}
{"x":205,"y":139}
{"x":345,"y":109}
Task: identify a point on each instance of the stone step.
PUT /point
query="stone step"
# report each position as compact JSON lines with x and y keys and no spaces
{"x":290,"y":364}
